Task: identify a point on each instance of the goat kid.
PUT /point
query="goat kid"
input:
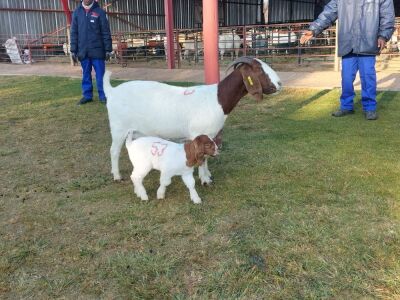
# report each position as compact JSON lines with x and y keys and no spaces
{"x":171,"y":159}
{"x":178,"y":113}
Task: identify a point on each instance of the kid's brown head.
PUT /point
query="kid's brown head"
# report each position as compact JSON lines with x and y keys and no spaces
{"x":201,"y":147}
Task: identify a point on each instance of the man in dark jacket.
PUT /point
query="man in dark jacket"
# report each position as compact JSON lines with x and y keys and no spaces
{"x":91,"y":43}
{"x":364,"y":28}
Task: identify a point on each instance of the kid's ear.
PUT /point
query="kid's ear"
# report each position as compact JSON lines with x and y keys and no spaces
{"x":190,"y":154}
{"x":199,"y":158}
{"x":198,"y":150}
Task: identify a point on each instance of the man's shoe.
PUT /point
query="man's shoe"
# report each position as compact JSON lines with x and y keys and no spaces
{"x":84,"y":101}
{"x":371,"y":115}
{"x":342,"y":113}
{"x":103,"y":101}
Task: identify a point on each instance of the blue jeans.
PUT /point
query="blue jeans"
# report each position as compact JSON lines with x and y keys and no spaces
{"x":351,"y":64}
{"x":99,"y":66}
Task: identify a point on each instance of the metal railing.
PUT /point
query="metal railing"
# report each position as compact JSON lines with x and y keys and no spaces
{"x":276,"y":44}
{"x":31,"y":49}
{"x":273,"y":43}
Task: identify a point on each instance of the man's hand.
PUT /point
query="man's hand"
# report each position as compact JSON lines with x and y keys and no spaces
{"x":74,"y":57}
{"x":308,"y":35}
{"x":108,"y":55}
{"x":381,"y":44}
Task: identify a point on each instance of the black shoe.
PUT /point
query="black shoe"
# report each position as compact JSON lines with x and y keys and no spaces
{"x":342,"y":113}
{"x":84,"y":101}
{"x":103,"y":101}
{"x":371,"y":115}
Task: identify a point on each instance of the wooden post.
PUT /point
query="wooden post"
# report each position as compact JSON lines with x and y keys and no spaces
{"x":69,"y":18}
{"x":337,"y":58}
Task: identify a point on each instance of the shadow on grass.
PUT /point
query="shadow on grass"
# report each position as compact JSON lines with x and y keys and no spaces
{"x":292,"y":107}
{"x":317,"y":96}
{"x":387,"y":97}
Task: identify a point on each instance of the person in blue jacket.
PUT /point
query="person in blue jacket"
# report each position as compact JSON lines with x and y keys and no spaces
{"x":91,"y":43}
{"x":364,"y":28}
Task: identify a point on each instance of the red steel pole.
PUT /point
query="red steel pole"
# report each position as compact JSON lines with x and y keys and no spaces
{"x":67,"y":11}
{"x":169,"y":30}
{"x":210,"y":34}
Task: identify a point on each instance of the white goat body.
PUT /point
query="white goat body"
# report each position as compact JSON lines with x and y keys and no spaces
{"x":173,"y":113}
{"x":191,"y":46}
{"x":147,"y":153}
{"x":229,"y":42}
{"x":183,"y":112}
{"x":178,"y":113}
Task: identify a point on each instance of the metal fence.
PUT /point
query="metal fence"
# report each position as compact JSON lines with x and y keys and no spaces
{"x":276,"y":44}
{"x":37,"y":17}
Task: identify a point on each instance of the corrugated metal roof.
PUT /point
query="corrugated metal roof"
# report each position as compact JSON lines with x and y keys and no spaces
{"x":33,"y":17}
{"x":286,"y":11}
{"x":242,"y":12}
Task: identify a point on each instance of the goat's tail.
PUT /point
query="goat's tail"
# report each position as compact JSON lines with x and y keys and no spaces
{"x":106,"y":83}
{"x":132,"y":135}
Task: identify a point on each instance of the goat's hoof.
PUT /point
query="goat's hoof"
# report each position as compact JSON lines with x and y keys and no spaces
{"x":206,"y":183}
{"x":196,"y":201}
{"x":144,"y":198}
{"x":117,"y":178}
{"x":206,"y":180}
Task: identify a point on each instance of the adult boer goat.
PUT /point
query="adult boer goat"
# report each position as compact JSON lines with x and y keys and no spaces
{"x":178,"y":113}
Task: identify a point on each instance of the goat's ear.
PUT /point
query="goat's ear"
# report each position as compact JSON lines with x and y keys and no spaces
{"x":199,"y":150}
{"x":199,"y":157}
{"x":218,"y":139}
{"x":190,"y":155}
{"x":191,"y":162}
{"x":251,"y":81}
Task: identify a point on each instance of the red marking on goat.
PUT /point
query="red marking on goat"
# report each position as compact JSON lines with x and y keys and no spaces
{"x":188,"y":92}
{"x":157,"y":148}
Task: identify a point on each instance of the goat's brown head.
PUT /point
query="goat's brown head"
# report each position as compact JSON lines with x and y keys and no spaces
{"x":258,"y":77}
{"x":198,"y":149}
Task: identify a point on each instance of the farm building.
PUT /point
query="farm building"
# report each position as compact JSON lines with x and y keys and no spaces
{"x":33,"y":17}
{"x":267,"y":28}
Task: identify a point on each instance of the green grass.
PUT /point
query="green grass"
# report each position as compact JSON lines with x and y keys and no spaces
{"x":304,"y":206}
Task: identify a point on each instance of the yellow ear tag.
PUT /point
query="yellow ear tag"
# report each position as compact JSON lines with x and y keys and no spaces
{"x":250,"y":80}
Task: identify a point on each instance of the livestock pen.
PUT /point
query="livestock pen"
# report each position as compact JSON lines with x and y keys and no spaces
{"x":277,"y":44}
